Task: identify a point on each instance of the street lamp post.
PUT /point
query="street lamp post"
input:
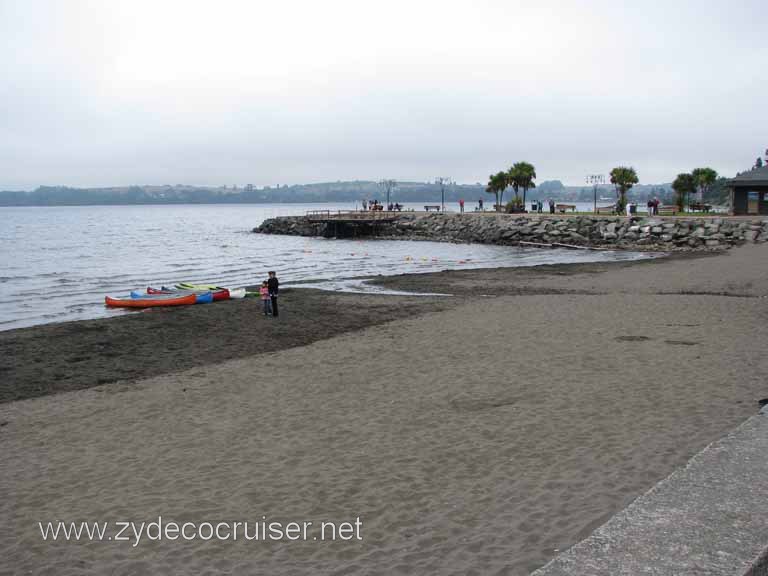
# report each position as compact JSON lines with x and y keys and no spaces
{"x":389,"y":185}
{"x":442,"y":181}
{"x":596,"y":180}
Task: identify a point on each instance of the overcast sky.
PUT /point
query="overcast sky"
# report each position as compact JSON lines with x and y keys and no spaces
{"x":285,"y":92}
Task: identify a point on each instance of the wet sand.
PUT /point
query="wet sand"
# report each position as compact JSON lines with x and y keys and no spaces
{"x":478,"y":434}
{"x":68,"y":356}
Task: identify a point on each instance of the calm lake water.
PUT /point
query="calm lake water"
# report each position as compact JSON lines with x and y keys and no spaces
{"x":58,"y":263}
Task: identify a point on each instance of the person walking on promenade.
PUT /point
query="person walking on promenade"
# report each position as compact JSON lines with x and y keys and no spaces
{"x":461,"y":205}
{"x":265,"y":299}
{"x":273,"y":287}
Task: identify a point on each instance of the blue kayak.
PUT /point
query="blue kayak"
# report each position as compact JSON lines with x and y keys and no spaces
{"x":204,"y":298}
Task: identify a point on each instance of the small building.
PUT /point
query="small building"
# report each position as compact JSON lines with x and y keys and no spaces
{"x":749,"y":192}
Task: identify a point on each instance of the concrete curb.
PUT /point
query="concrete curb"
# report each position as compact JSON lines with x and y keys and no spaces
{"x":709,"y":518}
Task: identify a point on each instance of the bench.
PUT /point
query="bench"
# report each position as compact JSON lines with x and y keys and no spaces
{"x":563,"y":207}
{"x":428,"y":207}
{"x":668,"y":210}
{"x":514,"y":209}
{"x":698,"y":207}
{"x":606,"y":209}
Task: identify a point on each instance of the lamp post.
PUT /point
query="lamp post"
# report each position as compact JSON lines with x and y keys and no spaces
{"x":389,"y":185}
{"x":595,"y":180}
{"x":442,"y":181}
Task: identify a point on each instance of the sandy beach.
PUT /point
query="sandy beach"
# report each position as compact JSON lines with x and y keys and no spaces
{"x":477,"y":434}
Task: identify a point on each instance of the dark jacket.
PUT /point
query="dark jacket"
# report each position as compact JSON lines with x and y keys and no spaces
{"x":273,"y":286}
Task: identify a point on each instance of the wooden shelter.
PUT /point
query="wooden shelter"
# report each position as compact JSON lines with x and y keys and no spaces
{"x":749,"y":192}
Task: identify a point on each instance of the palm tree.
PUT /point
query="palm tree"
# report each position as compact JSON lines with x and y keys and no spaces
{"x":704,"y":179}
{"x":623,"y":178}
{"x":497,"y":183}
{"x":684,"y":184}
{"x":522,"y":175}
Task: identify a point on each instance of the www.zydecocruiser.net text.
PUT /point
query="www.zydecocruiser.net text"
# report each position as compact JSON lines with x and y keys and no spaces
{"x":262,"y":530}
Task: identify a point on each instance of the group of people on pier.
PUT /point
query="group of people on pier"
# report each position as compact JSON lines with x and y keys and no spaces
{"x":537,"y":206}
{"x":376,"y":205}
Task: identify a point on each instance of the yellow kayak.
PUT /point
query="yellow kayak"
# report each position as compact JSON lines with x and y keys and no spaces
{"x":234,"y":293}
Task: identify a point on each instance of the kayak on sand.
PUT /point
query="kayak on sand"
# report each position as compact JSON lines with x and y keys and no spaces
{"x":151,"y":301}
{"x":200,"y":297}
{"x":234,"y":293}
{"x":218,"y":294}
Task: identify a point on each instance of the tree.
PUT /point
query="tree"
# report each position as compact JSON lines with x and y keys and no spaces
{"x":497,"y":183}
{"x":522,"y":175}
{"x":684,"y":184}
{"x":623,"y":178}
{"x":759,"y":162}
{"x":704,"y":179}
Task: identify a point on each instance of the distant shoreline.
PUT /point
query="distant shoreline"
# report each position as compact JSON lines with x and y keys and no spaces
{"x":323,"y":192}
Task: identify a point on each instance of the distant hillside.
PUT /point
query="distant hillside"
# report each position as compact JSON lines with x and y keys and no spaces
{"x":321,"y":192}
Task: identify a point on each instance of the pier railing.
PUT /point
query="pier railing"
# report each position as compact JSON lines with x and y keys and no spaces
{"x":351,"y":215}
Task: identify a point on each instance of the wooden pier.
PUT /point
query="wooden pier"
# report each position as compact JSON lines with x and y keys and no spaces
{"x":351,"y":223}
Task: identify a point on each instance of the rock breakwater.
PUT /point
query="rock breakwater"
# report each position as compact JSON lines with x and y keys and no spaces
{"x":664,"y":234}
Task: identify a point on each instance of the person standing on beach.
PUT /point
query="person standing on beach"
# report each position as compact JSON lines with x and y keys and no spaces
{"x":272,"y":289}
{"x":265,"y":299}
{"x":461,"y":205}
{"x":480,"y":204}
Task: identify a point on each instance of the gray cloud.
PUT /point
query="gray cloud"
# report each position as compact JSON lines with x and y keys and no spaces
{"x":143,"y":92}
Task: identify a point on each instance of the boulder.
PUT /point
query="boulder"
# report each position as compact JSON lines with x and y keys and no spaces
{"x":750,"y":235}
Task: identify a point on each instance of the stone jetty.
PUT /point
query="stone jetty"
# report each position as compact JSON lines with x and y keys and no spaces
{"x":637,"y":233}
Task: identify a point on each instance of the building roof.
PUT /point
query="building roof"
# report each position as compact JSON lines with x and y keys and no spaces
{"x":754,"y":177}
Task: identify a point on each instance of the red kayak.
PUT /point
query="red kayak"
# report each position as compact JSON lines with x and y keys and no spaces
{"x":159,"y":300}
{"x":219,"y":294}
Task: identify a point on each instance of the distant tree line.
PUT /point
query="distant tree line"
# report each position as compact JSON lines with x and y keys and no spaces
{"x":341,"y":192}
{"x":354,"y":191}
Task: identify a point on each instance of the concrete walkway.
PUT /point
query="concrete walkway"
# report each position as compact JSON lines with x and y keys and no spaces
{"x":710,"y":518}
